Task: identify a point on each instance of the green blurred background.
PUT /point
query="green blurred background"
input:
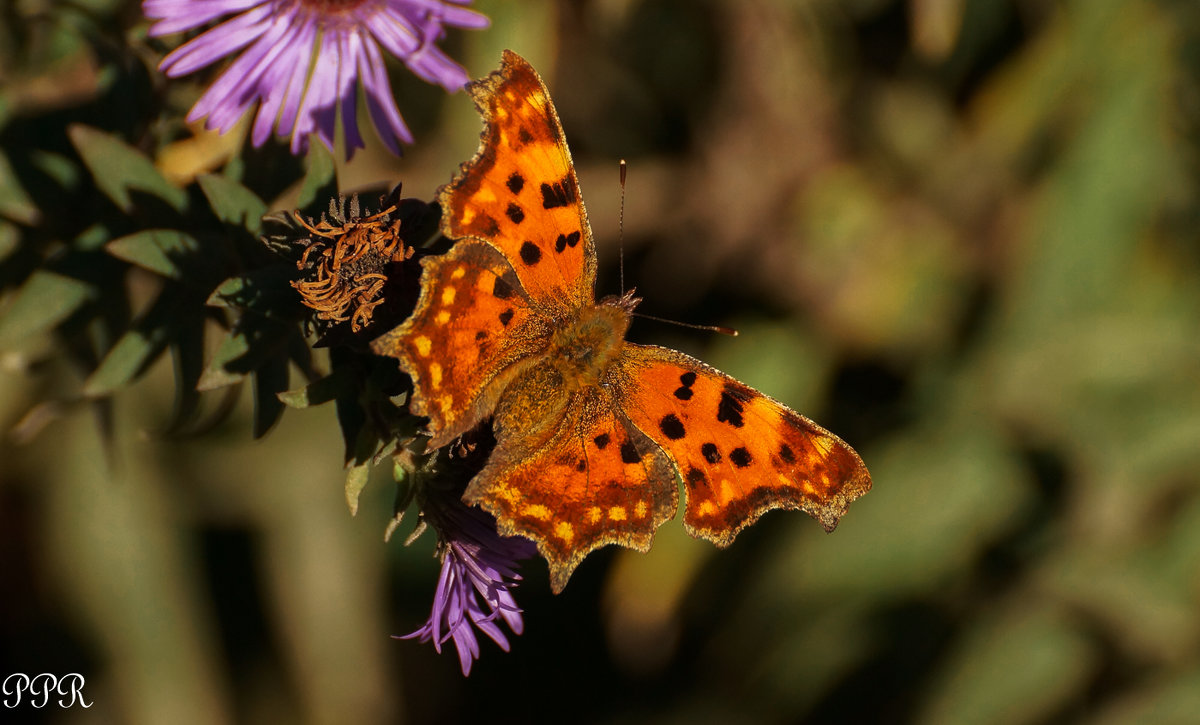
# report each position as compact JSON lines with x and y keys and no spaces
{"x":962,"y":234}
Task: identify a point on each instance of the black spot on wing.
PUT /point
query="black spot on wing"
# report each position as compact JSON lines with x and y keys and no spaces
{"x":581,"y":465}
{"x":710,"y":452}
{"x":629,"y":452}
{"x":601,"y":441}
{"x":506,"y":317}
{"x":530,"y":254}
{"x":729,"y":409}
{"x":502,"y":290}
{"x":560,"y":193}
{"x":696,"y":477}
{"x":480,"y":335}
{"x":741,"y":457}
{"x":566,"y":240}
{"x":524,"y":136}
{"x":684,"y":391}
{"x":515,"y":213}
{"x":787,"y":454}
{"x":515,"y":182}
{"x":672,"y":427}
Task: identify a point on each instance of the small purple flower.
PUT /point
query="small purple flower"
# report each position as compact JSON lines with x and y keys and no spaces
{"x":476,"y":583}
{"x":301,"y":60}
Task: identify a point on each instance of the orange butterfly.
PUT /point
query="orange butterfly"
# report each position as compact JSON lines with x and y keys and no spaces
{"x":592,"y":432}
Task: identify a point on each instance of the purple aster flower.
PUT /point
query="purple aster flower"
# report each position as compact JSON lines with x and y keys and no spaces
{"x":301,"y":60}
{"x":478,"y":575}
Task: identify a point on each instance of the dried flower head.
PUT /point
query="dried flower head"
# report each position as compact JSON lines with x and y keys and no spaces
{"x":347,"y":258}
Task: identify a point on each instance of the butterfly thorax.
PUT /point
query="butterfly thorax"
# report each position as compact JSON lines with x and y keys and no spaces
{"x":583,"y":349}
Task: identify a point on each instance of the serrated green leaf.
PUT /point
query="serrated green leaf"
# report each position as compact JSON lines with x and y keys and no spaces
{"x":130,"y":356}
{"x":264,"y":291}
{"x":135,"y":350}
{"x":92,"y":238}
{"x":216,"y":375}
{"x":270,"y":379}
{"x":118,"y":168}
{"x":320,"y":181}
{"x":157,"y":250}
{"x":233,"y":203}
{"x":62,"y":169}
{"x":10,"y":239}
{"x":14,"y":201}
{"x":356,"y":481}
{"x":317,"y":392}
{"x":42,"y":302}
{"x":187,"y":352}
{"x":253,"y":344}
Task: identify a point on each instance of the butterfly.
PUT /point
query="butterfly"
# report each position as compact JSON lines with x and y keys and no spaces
{"x":593,"y":433}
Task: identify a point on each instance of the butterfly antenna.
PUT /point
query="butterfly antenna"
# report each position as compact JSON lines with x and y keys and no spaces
{"x":621,"y":262}
{"x":720,"y":329}
{"x":621,"y":230}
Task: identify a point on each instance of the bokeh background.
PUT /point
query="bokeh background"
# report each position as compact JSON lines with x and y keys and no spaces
{"x":962,"y":234}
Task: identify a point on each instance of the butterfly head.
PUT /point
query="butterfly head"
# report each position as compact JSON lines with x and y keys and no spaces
{"x":626,"y":301}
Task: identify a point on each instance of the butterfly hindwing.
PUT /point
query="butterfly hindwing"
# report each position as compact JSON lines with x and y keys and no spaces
{"x":739,"y":452}
{"x":589,"y":480}
{"x":471,"y":332}
{"x":520,"y":193}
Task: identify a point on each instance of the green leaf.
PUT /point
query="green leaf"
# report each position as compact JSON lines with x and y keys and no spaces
{"x":317,"y":392}
{"x":270,"y":380}
{"x":232,"y":202}
{"x":217,"y":375}
{"x":320,"y":181}
{"x":119,"y":168}
{"x":129,"y":357}
{"x":254,"y":343}
{"x":42,"y":302}
{"x":59,"y":167}
{"x":187,"y":352}
{"x":158,"y":250}
{"x":356,"y":481}
{"x":135,"y":350}
{"x":264,"y":291}
{"x":10,"y":239}
{"x":14,"y":201}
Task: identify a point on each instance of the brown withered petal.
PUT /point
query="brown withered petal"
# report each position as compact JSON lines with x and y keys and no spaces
{"x":346,"y":260}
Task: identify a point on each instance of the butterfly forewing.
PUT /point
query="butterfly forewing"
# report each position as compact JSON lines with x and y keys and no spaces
{"x":471,"y":332}
{"x":520,"y":193}
{"x":738,"y":452}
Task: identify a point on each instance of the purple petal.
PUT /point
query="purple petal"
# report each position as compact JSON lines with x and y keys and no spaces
{"x":176,"y":16}
{"x":350,"y":50}
{"x":217,"y":43}
{"x":294,"y":94}
{"x":380,"y":102}
{"x":317,"y":111}
{"x":276,"y":81}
